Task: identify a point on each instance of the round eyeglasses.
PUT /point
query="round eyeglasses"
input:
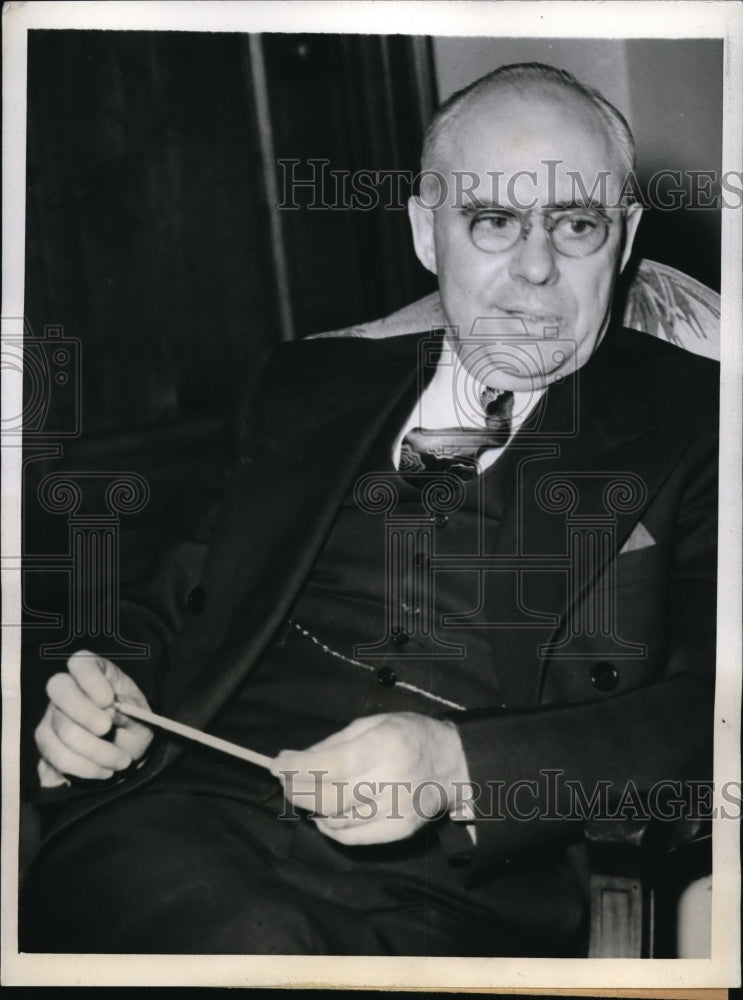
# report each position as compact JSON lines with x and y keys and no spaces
{"x":573,"y":232}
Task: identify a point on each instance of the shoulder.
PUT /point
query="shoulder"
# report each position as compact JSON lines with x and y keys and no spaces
{"x":324,"y":374}
{"x":678,"y":386}
{"x":327,"y":348}
{"x":325,"y":360}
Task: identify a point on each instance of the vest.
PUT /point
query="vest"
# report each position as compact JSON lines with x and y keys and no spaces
{"x":391,"y":619}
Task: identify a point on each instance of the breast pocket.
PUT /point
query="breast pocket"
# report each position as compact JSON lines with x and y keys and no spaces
{"x":635,"y":566}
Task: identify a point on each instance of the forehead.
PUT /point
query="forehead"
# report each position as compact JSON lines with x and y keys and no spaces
{"x":553,"y":133}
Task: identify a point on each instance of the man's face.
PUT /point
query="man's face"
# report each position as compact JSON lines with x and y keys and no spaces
{"x":528,"y":311}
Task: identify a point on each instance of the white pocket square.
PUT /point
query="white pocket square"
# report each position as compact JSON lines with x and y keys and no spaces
{"x":640,"y":538}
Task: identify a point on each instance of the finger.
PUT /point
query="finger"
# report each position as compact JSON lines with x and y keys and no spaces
{"x":360,"y":834}
{"x":317,"y":798}
{"x":49,"y":777}
{"x":64,"y":693}
{"x":327,"y":796}
{"x":93,"y":676}
{"x":123,"y":720}
{"x":341,"y":821}
{"x":124,"y":687}
{"x":64,"y":760}
{"x":345,"y":760}
{"x":339,"y":802}
{"x":82,"y":742}
{"x":303,"y":773}
{"x":332,"y":830}
{"x":132,"y":737}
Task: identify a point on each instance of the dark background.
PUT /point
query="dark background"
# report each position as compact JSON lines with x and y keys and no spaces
{"x":148,"y":221}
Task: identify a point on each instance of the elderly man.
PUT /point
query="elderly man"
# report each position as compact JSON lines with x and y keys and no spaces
{"x":467,"y":577}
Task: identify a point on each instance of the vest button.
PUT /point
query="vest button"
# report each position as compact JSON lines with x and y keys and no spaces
{"x":196,"y":601}
{"x":387,"y":677}
{"x":399,"y":637}
{"x":604,"y":676}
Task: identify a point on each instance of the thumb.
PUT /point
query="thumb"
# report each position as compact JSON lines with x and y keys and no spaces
{"x":123,"y":686}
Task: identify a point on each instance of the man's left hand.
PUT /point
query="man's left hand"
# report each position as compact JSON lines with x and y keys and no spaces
{"x":378,"y":780}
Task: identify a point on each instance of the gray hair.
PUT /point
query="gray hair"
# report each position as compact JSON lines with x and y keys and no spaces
{"x":525,"y":76}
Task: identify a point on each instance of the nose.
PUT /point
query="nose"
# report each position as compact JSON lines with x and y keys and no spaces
{"x":533,"y":258}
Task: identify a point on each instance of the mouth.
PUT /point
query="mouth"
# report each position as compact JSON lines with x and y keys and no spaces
{"x":529,"y":316}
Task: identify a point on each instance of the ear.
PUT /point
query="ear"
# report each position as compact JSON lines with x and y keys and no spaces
{"x":421,"y":222}
{"x":632,"y":221}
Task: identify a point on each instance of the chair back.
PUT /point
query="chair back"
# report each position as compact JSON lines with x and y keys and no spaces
{"x":658,"y":300}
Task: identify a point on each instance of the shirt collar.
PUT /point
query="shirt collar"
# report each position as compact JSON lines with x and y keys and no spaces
{"x":452,"y":399}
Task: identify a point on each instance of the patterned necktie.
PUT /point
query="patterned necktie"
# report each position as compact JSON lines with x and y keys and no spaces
{"x":456,"y":449}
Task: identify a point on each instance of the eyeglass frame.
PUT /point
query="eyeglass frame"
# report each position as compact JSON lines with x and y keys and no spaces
{"x":524,"y":218}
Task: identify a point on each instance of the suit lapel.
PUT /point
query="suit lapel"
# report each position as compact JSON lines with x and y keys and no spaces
{"x":592,"y":456}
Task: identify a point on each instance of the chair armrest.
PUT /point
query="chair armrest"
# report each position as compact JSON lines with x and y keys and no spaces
{"x":638,"y":869}
{"x":620,"y":897}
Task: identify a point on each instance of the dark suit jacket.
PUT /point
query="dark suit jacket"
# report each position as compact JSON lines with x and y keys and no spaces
{"x":634,"y":703}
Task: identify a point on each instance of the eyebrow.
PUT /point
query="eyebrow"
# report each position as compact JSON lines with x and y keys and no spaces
{"x":561,"y":206}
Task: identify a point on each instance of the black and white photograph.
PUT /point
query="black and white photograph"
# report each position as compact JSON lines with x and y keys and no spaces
{"x":371,"y":494}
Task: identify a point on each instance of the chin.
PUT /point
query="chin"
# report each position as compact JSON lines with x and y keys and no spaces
{"x":529,"y":383}
{"x":522,"y":366}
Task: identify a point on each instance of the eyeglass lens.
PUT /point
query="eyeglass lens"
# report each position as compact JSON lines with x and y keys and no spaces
{"x":574,"y":233}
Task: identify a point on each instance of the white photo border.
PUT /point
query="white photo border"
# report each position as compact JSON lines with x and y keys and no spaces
{"x":523,"y":19}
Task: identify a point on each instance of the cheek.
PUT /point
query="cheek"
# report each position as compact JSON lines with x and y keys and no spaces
{"x":468,"y":276}
{"x":460,"y":265}
{"x":593,"y":298}
{"x":461,"y":285}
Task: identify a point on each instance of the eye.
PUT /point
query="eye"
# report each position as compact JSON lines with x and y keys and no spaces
{"x":494,"y":229}
{"x":579,"y":225}
{"x":494,"y":220}
{"x":579,"y":233}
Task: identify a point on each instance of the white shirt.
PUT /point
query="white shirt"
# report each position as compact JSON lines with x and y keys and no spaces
{"x":452,"y":399}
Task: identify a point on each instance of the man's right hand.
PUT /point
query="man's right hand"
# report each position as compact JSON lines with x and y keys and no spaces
{"x":81,"y":733}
